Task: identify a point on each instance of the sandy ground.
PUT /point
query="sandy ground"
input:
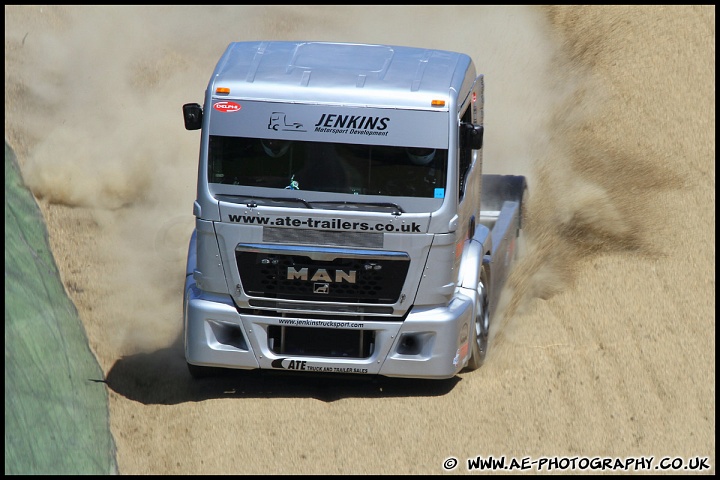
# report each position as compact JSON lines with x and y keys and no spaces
{"x":607,"y":344}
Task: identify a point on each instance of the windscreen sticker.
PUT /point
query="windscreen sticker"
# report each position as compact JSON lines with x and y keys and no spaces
{"x":352,"y":124}
{"x":330,"y":123}
{"x":278,"y":121}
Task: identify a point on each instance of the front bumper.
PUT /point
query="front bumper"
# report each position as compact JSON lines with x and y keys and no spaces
{"x":430,"y":343}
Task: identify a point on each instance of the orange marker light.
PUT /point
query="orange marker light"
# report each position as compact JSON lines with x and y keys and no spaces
{"x":222,"y":90}
{"x":438,"y":103}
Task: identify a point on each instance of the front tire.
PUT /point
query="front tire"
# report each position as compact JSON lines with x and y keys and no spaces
{"x":481,"y":327}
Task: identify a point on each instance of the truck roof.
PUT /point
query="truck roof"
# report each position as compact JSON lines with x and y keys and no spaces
{"x":342,"y":73}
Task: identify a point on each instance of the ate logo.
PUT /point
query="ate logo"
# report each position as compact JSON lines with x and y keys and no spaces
{"x":293,"y":365}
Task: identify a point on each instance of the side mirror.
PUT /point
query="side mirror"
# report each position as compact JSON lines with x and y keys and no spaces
{"x":471,"y":136}
{"x":192,"y":114}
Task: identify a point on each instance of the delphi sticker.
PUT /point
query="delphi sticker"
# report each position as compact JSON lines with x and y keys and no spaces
{"x":227,"y":106}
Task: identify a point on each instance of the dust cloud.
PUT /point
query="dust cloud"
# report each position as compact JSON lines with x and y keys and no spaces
{"x":93,"y":108}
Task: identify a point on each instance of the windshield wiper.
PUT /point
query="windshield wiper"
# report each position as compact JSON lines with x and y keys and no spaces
{"x":249,"y":200}
{"x":397,"y":208}
{"x":252,"y":204}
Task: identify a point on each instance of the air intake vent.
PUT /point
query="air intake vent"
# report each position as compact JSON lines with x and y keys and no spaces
{"x":318,"y":237}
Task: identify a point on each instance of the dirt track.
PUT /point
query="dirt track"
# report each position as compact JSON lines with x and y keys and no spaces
{"x":607,"y":347}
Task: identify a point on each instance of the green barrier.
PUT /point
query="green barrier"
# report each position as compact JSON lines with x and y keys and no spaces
{"x":56,"y":407}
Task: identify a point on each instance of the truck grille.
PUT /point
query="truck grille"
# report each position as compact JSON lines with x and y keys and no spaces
{"x":321,"y":274}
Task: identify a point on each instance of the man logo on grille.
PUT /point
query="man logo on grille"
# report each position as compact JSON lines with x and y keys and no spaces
{"x":325,"y":276}
{"x":321,"y":288}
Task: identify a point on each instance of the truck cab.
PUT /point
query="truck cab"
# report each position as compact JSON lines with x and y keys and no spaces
{"x":339,"y":226}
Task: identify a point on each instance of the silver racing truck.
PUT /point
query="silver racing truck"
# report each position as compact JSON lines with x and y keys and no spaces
{"x":343,"y":222}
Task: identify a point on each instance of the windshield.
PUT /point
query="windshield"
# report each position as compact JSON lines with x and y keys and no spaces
{"x":328,"y":167}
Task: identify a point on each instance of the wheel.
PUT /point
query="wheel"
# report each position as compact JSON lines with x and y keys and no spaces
{"x":479,"y":341}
